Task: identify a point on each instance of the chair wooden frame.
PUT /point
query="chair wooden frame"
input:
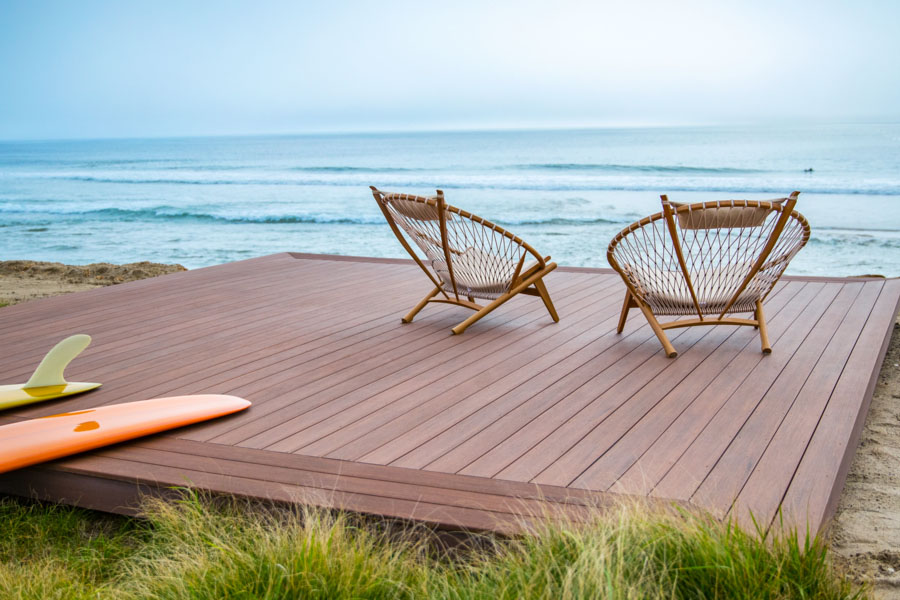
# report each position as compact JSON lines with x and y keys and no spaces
{"x":739,"y":262}
{"x":459,"y":233}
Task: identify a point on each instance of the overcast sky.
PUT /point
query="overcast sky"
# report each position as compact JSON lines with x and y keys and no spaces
{"x":112,"y":69}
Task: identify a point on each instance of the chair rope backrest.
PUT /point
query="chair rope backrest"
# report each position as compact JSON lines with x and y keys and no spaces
{"x":464,"y":255}
{"x":709,"y":258}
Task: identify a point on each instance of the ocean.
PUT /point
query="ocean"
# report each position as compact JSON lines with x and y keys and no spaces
{"x":203,"y":201}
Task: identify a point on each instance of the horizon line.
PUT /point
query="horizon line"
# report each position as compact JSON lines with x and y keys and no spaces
{"x":886,"y":120}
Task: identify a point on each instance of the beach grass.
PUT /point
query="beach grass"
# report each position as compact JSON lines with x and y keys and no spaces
{"x":194,"y":548}
{"x":51,"y":551}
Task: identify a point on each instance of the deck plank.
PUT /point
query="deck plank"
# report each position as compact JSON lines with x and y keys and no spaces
{"x":335,"y":415}
{"x":696,"y":368}
{"x":344,"y":429}
{"x":649,"y":451}
{"x":814,"y":491}
{"x":459,"y":408}
{"x":376,"y":369}
{"x":519,"y":416}
{"x":205,"y":309}
{"x":772,"y":474}
{"x":689,"y":470}
{"x":725,"y":479}
{"x":635,"y":430}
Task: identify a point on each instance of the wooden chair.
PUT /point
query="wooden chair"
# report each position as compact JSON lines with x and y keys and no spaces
{"x":709,"y":259}
{"x":465,"y":256}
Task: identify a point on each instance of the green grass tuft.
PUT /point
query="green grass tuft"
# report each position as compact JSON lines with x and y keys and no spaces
{"x":195,"y":549}
{"x":50,"y":551}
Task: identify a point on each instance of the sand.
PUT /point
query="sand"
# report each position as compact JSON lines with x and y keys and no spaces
{"x":865,"y":534}
{"x":22,"y":280}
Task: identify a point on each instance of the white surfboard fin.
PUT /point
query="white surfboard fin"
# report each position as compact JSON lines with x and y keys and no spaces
{"x":48,"y":381}
{"x":51,"y":370}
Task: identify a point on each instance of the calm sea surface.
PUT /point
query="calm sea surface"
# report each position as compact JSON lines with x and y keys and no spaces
{"x":202,"y":201}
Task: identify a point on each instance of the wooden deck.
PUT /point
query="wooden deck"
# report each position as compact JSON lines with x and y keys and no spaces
{"x":353,"y":409}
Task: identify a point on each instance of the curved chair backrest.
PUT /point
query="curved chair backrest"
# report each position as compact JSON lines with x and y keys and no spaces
{"x":464,"y":254}
{"x":709,"y":258}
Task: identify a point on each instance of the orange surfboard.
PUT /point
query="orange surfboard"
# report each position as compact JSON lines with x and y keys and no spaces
{"x":47,"y":438}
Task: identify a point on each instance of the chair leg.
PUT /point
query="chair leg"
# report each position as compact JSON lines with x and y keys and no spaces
{"x":484,"y":311}
{"x":629,"y":302}
{"x":763,"y":331}
{"x":545,"y":296}
{"x":532,"y":279}
{"x":654,"y":324}
{"x":408,"y":318}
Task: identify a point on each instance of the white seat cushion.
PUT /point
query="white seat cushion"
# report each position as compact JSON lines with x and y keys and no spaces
{"x":477,"y":273}
{"x":667,"y":292}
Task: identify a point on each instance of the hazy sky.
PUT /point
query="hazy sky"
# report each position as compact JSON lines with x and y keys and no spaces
{"x":107,"y":69}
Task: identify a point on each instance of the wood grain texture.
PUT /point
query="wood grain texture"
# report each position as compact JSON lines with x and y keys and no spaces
{"x":518,"y":417}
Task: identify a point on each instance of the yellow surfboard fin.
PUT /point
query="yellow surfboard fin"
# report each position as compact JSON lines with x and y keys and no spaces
{"x":48,"y":381}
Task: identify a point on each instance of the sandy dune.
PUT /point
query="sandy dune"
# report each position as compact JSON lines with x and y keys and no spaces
{"x":22,"y":280}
